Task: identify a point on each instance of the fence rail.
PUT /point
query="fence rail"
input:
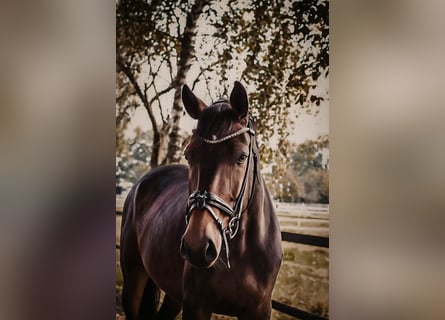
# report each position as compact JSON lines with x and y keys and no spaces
{"x":317,"y":241}
{"x":294,"y":312}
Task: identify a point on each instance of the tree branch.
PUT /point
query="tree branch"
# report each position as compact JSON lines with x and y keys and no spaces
{"x":142,"y":96}
{"x":122,"y":113}
{"x":208,"y":68}
{"x":159,"y":103}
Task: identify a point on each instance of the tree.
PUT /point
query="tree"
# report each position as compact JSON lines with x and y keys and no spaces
{"x":310,"y":155}
{"x":285,"y":48}
{"x":305,"y":178}
{"x":150,"y":36}
{"x":131,"y":162}
{"x":278,"y":48}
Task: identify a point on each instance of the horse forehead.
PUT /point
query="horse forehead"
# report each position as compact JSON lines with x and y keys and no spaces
{"x":217,"y":126}
{"x":217,"y":110}
{"x":219,"y":117}
{"x":214,"y":157}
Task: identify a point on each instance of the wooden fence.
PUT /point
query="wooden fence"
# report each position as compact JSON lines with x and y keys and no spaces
{"x":303,"y":239}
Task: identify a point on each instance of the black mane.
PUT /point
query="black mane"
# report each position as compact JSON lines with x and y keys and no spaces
{"x":216,"y":120}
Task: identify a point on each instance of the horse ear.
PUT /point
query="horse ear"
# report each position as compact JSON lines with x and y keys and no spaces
{"x":193,"y":105}
{"x":239,"y":101}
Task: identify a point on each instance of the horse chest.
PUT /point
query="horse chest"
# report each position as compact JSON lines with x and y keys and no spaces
{"x":247,"y":287}
{"x":228,"y":292}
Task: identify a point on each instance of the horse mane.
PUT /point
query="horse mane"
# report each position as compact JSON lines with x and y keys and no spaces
{"x":216,"y":120}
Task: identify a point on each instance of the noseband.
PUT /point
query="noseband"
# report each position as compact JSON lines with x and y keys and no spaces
{"x":202,"y":199}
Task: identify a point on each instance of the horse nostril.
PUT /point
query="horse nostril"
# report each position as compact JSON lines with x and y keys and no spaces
{"x":210,"y":252}
{"x":203,"y":256}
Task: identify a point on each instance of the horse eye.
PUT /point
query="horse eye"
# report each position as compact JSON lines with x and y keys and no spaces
{"x":242,"y":158}
{"x":186,"y":156}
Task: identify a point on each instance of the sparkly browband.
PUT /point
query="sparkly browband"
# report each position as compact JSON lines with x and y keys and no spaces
{"x":215,"y":140}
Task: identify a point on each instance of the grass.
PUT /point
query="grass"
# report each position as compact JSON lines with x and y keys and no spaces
{"x":303,"y":281}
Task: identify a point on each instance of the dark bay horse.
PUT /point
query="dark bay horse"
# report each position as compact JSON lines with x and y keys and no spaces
{"x":206,"y":234}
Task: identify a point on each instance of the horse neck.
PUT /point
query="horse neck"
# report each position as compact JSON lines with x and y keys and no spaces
{"x":260,"y":216}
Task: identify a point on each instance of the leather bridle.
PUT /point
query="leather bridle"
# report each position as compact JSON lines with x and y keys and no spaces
{"x":202,"y":199}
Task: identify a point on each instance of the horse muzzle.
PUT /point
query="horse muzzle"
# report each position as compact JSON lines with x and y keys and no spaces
{"x":203,"y":257}
{"x":201,"y":242}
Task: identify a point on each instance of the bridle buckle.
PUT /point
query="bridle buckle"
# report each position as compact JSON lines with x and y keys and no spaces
{"x":232,"y":227}
{"x":200,"y":200}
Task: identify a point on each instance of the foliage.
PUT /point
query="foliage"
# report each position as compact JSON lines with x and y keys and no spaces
{"x":279,"y":49}
{"x":306,"y":176}
{"x":284,"y":49}
{"x":310,"y":155}
{"x":131,"y":162}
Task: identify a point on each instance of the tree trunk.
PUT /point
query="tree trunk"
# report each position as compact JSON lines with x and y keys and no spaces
{"x":154,"y":158}
{"x":174,"y":145}
{"x":184,"y":64}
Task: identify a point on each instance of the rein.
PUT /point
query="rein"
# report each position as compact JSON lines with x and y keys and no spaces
{"x":202,"y":199}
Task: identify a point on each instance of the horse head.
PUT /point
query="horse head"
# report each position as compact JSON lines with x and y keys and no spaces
{"x":220,"y":156}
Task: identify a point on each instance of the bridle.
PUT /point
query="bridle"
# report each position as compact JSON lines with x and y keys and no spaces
{"x":202,"y":199}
